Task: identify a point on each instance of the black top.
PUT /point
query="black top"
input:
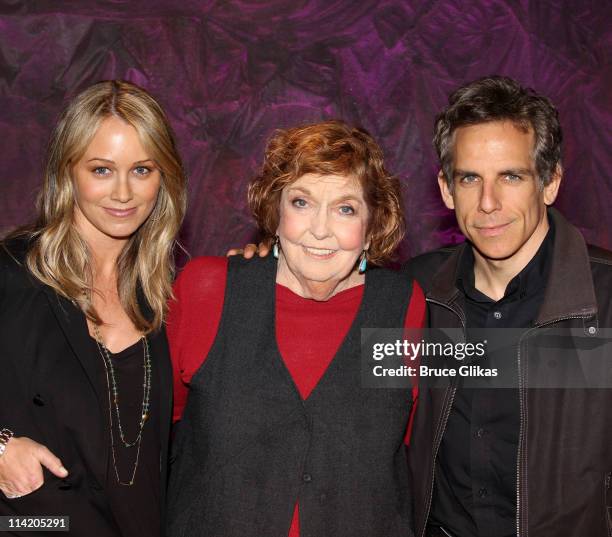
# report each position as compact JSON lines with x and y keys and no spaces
{"x":53,"y":390}
{"x":136,"y":507}
{"x":475,"y":486}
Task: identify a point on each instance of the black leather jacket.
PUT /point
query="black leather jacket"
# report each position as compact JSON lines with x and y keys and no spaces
{"x":565,"y":440}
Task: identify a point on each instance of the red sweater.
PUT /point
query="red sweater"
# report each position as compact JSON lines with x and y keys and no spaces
{"x":305,"y":341}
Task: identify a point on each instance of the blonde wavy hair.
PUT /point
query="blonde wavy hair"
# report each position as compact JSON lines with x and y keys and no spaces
{"x":59,"y":257}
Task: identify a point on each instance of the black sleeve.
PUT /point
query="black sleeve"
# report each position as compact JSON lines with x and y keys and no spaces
{"x":15,"y":369}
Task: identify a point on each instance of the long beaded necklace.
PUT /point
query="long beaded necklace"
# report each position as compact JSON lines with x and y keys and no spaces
{"x":112,"y":385}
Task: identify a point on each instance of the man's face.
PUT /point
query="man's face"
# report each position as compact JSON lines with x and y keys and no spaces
{"x":496,"y":196}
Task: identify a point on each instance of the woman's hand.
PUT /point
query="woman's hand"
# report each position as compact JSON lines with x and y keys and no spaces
{"x":21,"y":467}
{"x":263,"y":249}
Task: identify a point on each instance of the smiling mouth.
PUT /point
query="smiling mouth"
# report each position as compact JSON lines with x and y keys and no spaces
{"x":492,"y":231}
{"x":120,"y":213}
{"x":319,"y":253}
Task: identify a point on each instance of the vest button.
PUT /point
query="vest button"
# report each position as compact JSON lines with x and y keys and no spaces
{"x":38,"y":400}
{"x":307,"y":478}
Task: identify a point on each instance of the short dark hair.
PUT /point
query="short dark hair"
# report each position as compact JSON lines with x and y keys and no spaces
{"x":499,"y":98}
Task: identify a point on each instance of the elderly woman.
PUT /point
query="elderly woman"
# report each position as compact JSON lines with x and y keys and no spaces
{"x":278,"y":437}
{"x":85,"y":389}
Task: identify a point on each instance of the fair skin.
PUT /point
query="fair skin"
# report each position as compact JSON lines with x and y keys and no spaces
{"x":116,"y":184}
{"x":322,"y":232}
{"x":498,"y":201}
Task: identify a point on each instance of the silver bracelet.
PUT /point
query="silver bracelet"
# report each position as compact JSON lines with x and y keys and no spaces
{"x":5,"y":436}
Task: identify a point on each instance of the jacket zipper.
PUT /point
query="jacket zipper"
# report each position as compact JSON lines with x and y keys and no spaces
{"x":523,"y":410}
{"x":608,"y":507}
{"x":444,"y":417}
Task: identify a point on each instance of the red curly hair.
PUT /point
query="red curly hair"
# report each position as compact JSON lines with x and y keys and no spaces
{"x":331,"y":148}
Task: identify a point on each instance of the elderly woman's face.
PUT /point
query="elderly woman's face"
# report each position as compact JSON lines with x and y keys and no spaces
{"x":322,"y":228}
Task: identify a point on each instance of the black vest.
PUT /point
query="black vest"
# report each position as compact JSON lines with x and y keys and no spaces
{"x":249,"y":447}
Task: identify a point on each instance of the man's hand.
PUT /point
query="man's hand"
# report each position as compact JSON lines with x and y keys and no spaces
{"x":21,"y":467}
{"x":250,"y":250}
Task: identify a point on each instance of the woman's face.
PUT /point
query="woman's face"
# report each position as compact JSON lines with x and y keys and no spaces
{"x":322,"y":228}
{"x":116,"y":183}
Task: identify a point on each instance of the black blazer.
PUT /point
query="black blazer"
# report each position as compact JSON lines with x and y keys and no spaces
{"x":48,"y":393}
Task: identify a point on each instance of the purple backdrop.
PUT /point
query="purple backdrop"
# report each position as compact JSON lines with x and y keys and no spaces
{"x":230,"y":72}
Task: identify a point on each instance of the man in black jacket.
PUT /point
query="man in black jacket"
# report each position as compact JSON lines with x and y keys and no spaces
{"x":525,"y":459}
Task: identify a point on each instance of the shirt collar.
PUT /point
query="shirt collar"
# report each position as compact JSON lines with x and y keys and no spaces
{"x":529,"y":281}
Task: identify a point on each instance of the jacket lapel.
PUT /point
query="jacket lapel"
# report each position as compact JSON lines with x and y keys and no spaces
{"x":570,"y":290}
{"x":72,"y":322}
{"x":74,"y":326}
{"x":443,"y":288}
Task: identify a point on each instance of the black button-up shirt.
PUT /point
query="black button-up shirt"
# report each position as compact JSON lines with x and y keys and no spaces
{"x":475,"y":486}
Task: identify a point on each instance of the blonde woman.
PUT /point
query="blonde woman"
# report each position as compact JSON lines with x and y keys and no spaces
{"x":85,"y":389}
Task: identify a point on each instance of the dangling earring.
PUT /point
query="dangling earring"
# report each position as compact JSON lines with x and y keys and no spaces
{"x":275,"y":247}
{"x":363,"y":263}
